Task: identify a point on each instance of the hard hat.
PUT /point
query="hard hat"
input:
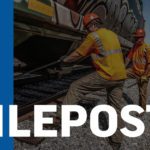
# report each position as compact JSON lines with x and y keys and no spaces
{"x":139,"y":33}
{"x":88,"y":18}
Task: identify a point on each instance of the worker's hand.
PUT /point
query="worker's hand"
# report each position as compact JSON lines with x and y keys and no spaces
{"x":64,"y":71}
{"x":61,"y":64}
{"x":64,"y":65}
{"x":62,"y":58}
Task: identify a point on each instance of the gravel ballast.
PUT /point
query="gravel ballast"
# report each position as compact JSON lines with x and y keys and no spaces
{"x":82,"y":137}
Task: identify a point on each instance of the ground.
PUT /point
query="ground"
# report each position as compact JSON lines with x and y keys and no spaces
{"x":83,"y":139}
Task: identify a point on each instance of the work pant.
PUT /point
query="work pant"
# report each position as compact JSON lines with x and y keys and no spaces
{"x":94,"y":82}
{"x":142,"y":84}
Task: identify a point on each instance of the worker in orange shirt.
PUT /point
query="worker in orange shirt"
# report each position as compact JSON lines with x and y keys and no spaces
{"x":139,"y":61}
{"x":104,"y":47}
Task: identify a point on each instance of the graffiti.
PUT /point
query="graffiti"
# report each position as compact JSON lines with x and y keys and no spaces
{"x":139,"y":7}
{"x":67,"y":17}
{"x":76,"y":18}
{"x":117,"y":7}
{"x":123,"y":13}
{"x":101,"y":11}
{"x":116,"y":14}
{"x":72,"y":4}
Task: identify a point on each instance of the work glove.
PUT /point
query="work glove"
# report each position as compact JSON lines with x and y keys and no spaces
{"x":61,"y":59}
{"x":62,"y":63}
{"x":64,"y":71}
{"x":60,"y":71}
{"x":65,"y":65}
{"x":64,"y":68}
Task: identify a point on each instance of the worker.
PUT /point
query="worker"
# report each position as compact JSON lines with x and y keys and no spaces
{"x":138,"y":64}
{"x":104,"y":47}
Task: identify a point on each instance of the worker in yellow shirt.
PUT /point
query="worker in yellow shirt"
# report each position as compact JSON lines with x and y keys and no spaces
{"x":138,"y":61}
{"x":104,"y":47}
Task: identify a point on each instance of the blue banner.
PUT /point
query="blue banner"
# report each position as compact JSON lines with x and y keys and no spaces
{"x":6,"y":68}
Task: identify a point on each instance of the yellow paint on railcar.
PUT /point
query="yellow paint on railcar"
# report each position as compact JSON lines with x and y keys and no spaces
{"x":40,"y":7}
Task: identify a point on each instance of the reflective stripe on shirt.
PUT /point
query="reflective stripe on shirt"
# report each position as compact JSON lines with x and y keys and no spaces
{"x":141,"y":61}
{"x":102,"y":51}
{"x":99,"y":43}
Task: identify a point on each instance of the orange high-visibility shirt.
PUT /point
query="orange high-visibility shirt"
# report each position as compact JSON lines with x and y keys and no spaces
{"x":140,"y":57}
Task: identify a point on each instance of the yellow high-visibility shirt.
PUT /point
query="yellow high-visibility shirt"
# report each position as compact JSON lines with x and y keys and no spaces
{"x":111,"y":66}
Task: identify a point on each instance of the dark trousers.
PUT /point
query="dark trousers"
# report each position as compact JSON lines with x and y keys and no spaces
{"x":142,"y":84}
{"x":94,"y":82}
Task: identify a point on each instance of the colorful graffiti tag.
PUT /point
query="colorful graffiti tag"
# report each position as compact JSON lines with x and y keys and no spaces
{"x":116,"y":14}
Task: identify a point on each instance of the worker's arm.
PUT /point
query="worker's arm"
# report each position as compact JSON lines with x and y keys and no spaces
{"x":129,"y":58}
{"x":148,"y":59}
{"x":74,"y":56}
{"x":148,"y":53}
{"x":85,"y":49}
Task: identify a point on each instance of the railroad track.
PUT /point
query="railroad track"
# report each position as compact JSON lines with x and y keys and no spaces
{"x":33,"y":89}
{"x":43,"y":91}
{"x":46,"y":91}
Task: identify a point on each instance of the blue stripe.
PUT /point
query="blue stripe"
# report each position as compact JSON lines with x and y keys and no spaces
{"x":6,"y":67}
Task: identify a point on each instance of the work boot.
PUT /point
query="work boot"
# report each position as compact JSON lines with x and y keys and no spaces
{"x":56,"y":122}
{"x":114,"y":145}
